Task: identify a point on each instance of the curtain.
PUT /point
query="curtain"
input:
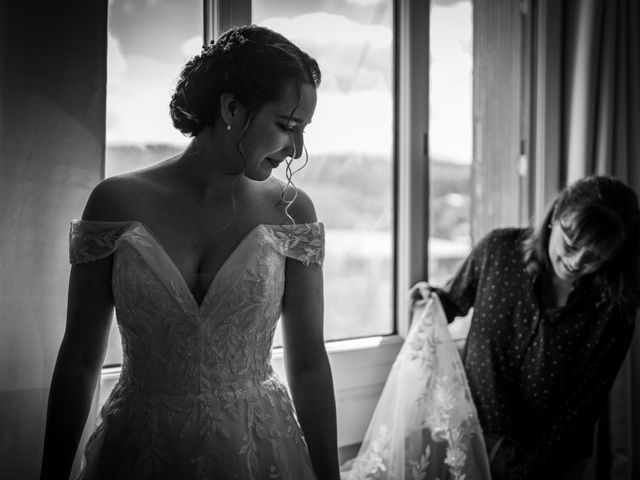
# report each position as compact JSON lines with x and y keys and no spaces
{"x":52,"y":99}
{"x":601,"y":83}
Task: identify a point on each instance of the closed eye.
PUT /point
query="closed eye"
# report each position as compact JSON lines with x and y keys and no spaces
{"x":286,"y":128}
{"x":291,"y":129}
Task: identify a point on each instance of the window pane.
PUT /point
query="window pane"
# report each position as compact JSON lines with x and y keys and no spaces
{"x":349,"y":175}
{"x":450,"y":136}
{"x":148,"y":44}
{"x":450,"y":142}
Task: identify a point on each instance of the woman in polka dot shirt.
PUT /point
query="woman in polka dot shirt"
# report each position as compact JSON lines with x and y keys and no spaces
{"x":554,"y":312}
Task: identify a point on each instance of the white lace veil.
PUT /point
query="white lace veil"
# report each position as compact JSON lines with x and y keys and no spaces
{"x":425,"y":425}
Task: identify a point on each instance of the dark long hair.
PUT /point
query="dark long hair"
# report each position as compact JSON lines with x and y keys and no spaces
{"x":605,"y":217}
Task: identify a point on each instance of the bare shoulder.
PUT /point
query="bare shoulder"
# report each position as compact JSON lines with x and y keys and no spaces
{"x":302,"y":210}
{"x":114,"y":198}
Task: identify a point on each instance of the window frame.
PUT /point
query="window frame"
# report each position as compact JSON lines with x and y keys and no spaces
{"x":546,"y":93}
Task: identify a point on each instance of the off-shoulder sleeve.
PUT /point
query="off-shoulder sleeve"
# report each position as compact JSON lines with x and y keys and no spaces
{"x":303,"y":242}
{"x":90,"y":241}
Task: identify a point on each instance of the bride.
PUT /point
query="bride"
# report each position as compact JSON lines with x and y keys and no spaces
{"x":200,"y":255}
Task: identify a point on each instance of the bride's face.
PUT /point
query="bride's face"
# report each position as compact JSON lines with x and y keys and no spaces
{"x":276,"y":131}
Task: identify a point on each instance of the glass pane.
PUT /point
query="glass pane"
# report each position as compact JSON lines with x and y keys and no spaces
{"x":450,"y":141}
{"x":148,"y":44}
{"x":350,"y":143}
{"x":450,"y":136}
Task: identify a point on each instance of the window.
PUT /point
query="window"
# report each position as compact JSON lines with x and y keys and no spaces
{"x":450,"y":136}
{"x":148,"y":44}
{"x":450,"y":142}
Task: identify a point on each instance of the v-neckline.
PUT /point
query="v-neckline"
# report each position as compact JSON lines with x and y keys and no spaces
{"x":178,"y":273}
{"x":182,"y":284}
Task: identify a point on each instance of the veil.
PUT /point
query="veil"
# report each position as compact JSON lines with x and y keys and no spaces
{"x":425,"y":425}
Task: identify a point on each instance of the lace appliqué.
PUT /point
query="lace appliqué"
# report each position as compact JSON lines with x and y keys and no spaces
{"x":89,"y":242}
{"x":425,"y":425}
{"x":304,"y":242}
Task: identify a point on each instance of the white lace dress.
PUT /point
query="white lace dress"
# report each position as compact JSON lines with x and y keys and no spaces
{"x":425,"y":425}
{"x":197,"y":397}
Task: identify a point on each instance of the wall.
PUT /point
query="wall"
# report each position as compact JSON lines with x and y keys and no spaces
{"x":52,"y":94}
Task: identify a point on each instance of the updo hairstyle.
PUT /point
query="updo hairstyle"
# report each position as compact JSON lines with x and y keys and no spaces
{"x":251,"y":62}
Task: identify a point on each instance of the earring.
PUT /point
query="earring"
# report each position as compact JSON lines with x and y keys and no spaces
{"x":228,"y":127}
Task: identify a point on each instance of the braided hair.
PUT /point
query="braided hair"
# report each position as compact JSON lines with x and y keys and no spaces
{"x":251,"y":62}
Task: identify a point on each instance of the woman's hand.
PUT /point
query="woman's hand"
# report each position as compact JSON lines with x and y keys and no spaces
{"x":420,"y":292}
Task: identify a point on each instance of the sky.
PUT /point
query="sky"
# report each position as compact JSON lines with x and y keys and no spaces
{"x":149,"y":41}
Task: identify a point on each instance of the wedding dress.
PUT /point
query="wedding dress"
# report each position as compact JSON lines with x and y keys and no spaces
{"x":425,"y":425}
{"x":197,"y":397}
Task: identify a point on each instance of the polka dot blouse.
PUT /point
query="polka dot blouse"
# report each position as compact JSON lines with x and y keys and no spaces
{"x":539,"y":376}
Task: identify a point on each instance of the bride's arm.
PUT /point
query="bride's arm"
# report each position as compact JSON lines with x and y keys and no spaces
{"x":81,"y":353}
{"x":307,"y":365}
{"x":89,"y":312}
{"x":306,"y":362}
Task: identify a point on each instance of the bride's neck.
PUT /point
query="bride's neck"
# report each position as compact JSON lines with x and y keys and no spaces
{"x":209,"y":171}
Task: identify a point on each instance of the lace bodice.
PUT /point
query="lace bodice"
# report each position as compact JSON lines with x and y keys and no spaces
{"x":202,"y":372}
